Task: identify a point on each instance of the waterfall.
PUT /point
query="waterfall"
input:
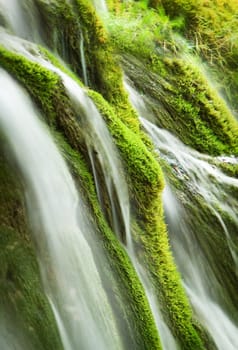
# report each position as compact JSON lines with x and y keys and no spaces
{"x":205,"y":179}
{"x":20,"y":18}
{"x":83,"y":61}
{"x":10,"y":335}
{"x":77,"y":265}
{"x":202,"y":178}
{"x":167,"y":339}
{"x":100,"y":6}
{"x":97,"y":136}
{"x":60,"y":225}
{"x":99,"y":140}
{"x":199,"y":279}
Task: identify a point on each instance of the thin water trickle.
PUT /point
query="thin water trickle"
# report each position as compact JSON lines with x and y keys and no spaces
{"x":83,"y":60}
{"x":100,"y":6}
{"x":59,"y":221}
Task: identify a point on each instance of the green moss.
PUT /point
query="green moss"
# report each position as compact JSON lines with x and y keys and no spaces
{"x":208,"y":119}
{"x":22,"y":293}
{"x":146,"y":183}
{"x":193,"y":110}
{"x":104,"y":72}
{"x":127,"y":290}
{"x":183,"y":102}
{"x":214,"y":42}
{"x":229,"y":169}
{"x":61,"y":31}
{"x":208,"y":237}
{"x":35,"y":78}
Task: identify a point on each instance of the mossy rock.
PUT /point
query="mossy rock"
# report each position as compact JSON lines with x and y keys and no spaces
{"x":186,"y":105}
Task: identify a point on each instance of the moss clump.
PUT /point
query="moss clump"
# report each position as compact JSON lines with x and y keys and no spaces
{"x":127,"y":293}
{"x":181,"y":96}
{"x":35,"y":78}
{"x":212,"y":27}
{"x":104,"y":72}
{"x":22,"y":294}
{"x":229,"y":169}
{"x":202,"y":107}
{"x":146,"y":183}
{"x":184,"y":103}
{"x":61,"y":31}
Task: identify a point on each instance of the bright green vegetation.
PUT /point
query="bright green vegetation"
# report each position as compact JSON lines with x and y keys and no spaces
{"x":143,"y":37}
{"x":218,"y":43}
{"x":146,"y":183}
{"x":125,"y":290}
{"x":211,"y":26}
{"x":177,"y":90}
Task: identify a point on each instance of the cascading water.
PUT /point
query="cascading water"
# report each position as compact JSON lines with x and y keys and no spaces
{"x":167,"y":339}
{"x":69,"y":273}
{"x":206,"y":180}
{"x":100,"y":6}
{"x":20,"y":18}
{"x":11,"y":336}
{"x":203,"y":178}
{"x":97,"y":136}
{"x":98,"y":139}
{"x":64,"y":231}
{"x":83,"y":61}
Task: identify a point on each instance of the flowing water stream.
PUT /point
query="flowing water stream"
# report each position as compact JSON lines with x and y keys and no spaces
{"x":69,"y":273}
{"x":20,"y":18}
{"x":100,"y":6}
{"x":99,"y":142}
{"x":199,"y":278}
{"x":204,"y":179}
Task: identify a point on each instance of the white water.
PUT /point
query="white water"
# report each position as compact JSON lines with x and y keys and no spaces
{"x":99,"y":140}
{"x":201,"y":175}
{"x":11,"y":336}
{"x":21,"y":18}
{"x":100,"y":6}
{"x":83,"y":61}
{"x":167,"y":339}
{"x":206,"y":180}
{"x":199,"y":279}
{"x":58,"y":218}
{"x":97,"y":136}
